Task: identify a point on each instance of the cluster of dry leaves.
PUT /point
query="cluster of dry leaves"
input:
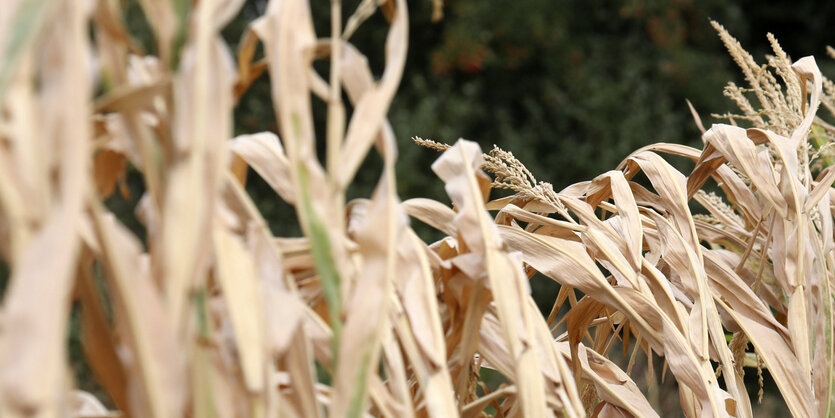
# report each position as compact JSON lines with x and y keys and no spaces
{"x":209,"y":314}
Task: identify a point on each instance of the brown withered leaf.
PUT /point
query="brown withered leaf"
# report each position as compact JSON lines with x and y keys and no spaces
{"x":108,"y":169}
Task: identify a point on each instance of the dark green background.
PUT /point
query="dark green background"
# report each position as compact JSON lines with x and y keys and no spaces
{"x":570,"y":87}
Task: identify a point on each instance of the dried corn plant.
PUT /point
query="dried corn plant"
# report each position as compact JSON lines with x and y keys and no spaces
{"x":748,"y":284}
{"x":209,"y":314}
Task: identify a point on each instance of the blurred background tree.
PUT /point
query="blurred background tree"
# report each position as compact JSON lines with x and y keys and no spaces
{"x":570,"y":87}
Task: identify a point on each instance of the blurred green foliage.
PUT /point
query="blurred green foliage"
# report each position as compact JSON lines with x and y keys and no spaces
{"x":570,"y":87}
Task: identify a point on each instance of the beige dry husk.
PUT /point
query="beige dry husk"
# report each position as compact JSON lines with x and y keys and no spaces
{"x":209,"y":314}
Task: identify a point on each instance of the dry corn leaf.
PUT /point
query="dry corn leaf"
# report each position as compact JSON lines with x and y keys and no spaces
{"x":98,"y":339}
{"x":372,"y":106}
{"x":37,"y":302}
{"x":198,"y":159}
{"x":235,"y":270}
{"x":156,"y":366}
{"x":264,"y":153}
